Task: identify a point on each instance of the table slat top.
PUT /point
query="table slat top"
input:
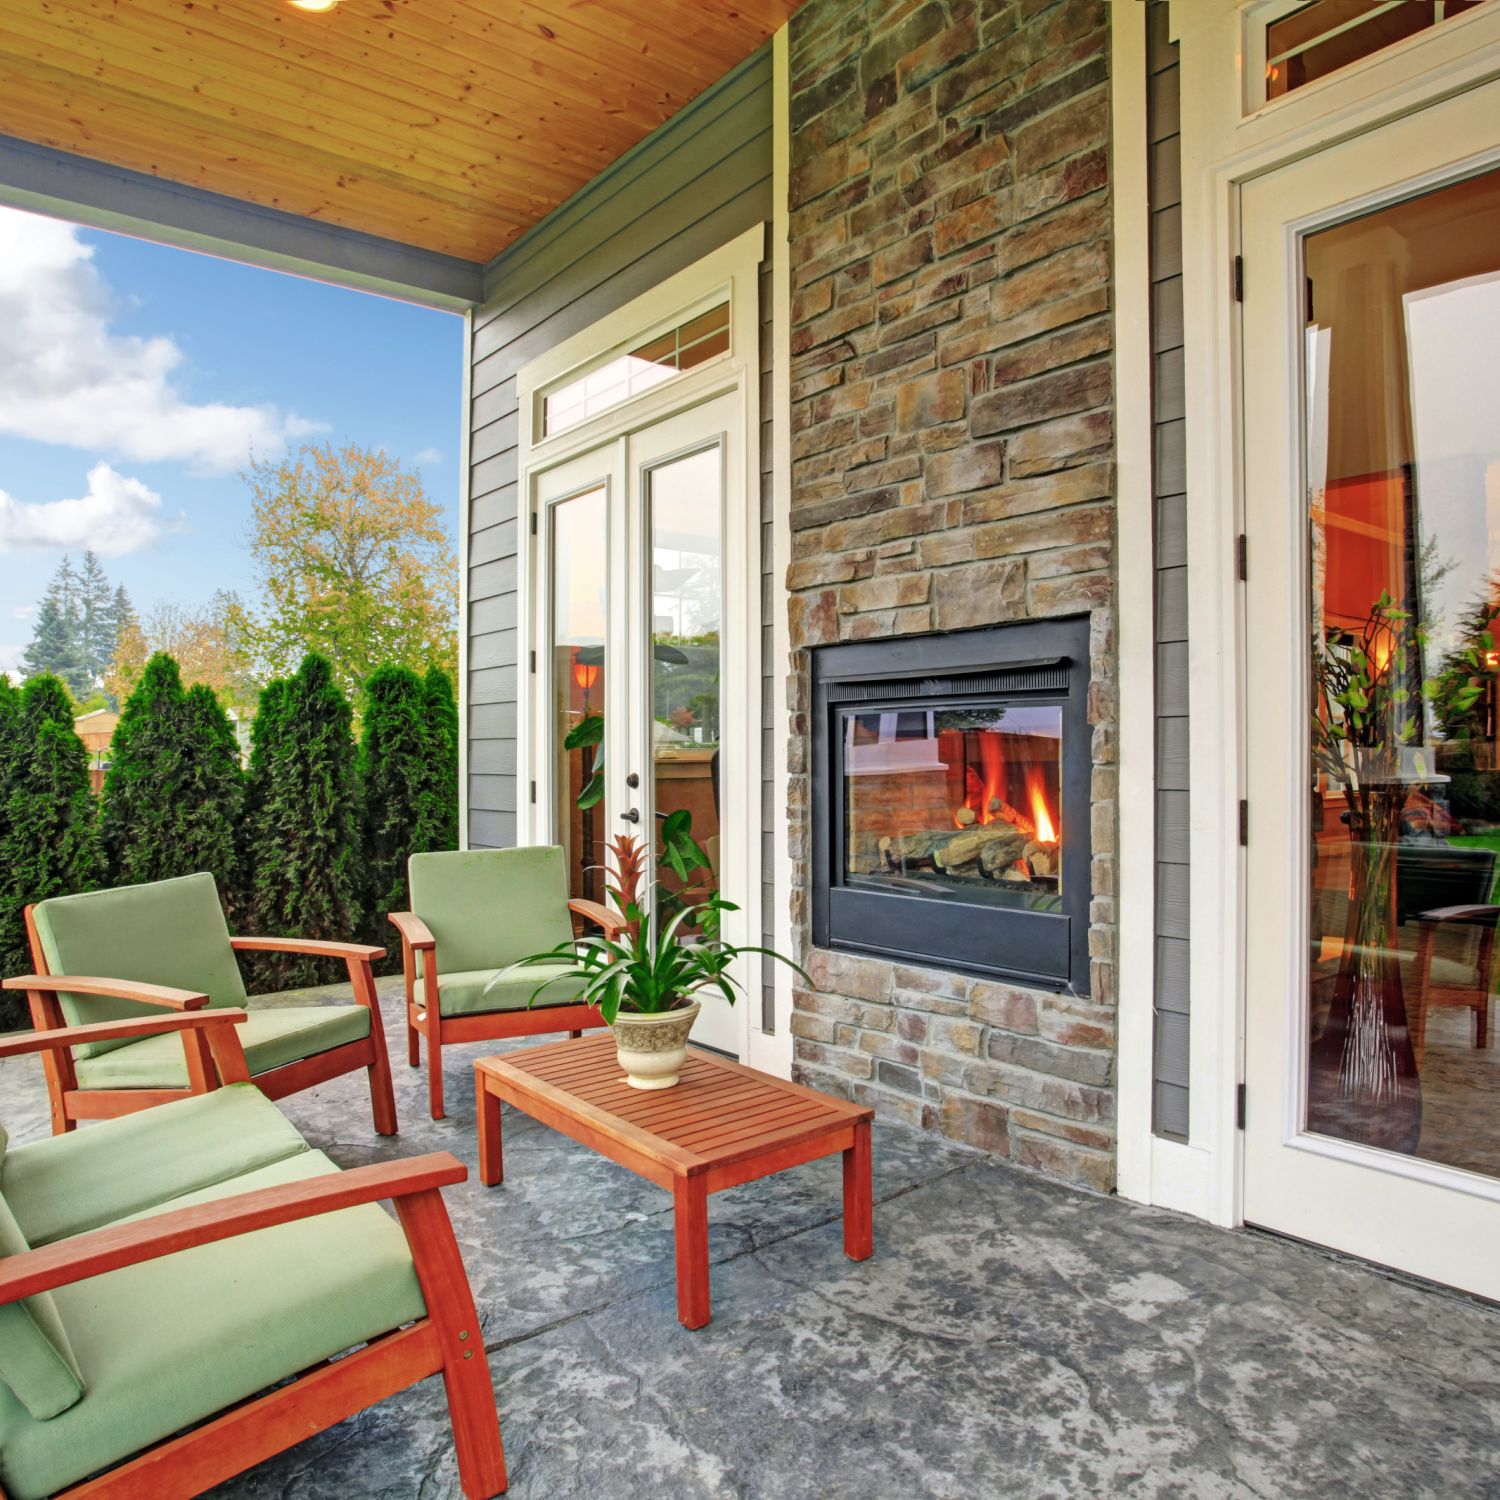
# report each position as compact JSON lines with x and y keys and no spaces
{"x":719,"y":1112}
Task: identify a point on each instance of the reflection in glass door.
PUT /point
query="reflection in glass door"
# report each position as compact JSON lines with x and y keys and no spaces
{"x":684,"y":504}
{"x":1402,"y":453}
{"x":579,"y":592}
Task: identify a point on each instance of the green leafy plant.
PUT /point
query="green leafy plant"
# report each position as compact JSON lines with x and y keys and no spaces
{"x":588,"y":733}
{"x":645,"y":962}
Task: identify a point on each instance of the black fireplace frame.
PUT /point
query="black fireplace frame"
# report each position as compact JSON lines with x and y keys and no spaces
{"x":1033,"y":661}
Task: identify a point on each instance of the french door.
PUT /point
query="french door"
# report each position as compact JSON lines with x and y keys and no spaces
{"x":641,"y":706}
{"x":1372,"y":662}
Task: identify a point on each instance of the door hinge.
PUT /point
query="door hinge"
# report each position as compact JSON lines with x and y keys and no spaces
{"x":533,"y":661}
{"x":1242,"y":557}
{"x":533,"y":523}
{"x":533,"y":791}
{"x":1239,"y":278}
{"x":1310,"y":317}
{"x":1239,"y":1107}
{"x":1244,"y":821}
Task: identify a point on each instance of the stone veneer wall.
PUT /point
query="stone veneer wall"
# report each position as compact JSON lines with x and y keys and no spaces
{"x":952,"y":467}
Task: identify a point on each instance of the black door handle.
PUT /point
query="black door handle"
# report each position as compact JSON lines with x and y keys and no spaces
{"x":631,"y":815}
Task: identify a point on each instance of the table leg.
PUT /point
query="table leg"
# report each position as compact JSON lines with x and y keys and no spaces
{"x":690,"y":1201}
{"x":859,"y":1208}
{"x":491,"y":1156}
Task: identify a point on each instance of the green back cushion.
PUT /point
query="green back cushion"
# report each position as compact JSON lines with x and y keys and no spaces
{"x":489,"y":907}
{"x":171,"y":932}
{"x":36,"y":1361}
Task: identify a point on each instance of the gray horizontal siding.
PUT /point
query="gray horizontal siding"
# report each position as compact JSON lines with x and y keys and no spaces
{"x":1171,"y":1041}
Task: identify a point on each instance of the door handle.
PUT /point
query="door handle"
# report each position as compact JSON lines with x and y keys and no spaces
{"x":631,"y":815}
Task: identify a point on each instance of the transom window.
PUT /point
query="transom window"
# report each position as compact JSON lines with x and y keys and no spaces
{"x":1318,"y":39}
{"x":660,"y":359}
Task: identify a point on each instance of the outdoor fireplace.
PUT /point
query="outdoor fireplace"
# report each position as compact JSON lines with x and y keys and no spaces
{"x":951,"y":801}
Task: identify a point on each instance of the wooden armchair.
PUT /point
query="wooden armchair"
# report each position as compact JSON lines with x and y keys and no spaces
{"x":149,"y":1318}
{"x":473,"y":914}
{"x":158,"y":940}
{"x":1436,"y":980}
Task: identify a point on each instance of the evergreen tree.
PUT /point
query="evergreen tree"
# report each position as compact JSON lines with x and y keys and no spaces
{"x":393,"y":775}
{"x":53,"y":648}
{"x":302,"y":826}
{"x":50,"y":843}
{"x":173,"y":790}
{"x":96,"y":625}
{"x":10,"y":918}
{"x":442,"y":790}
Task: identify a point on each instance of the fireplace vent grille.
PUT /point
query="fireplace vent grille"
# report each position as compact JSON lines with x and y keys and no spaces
{"x":1032,"y":676}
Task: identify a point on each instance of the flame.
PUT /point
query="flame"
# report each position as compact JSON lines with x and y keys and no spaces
{"x":984,"y":795}
{"x":1046,"y":829}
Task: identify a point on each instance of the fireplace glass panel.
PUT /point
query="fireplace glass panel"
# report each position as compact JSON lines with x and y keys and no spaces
{"x":958,"y":803}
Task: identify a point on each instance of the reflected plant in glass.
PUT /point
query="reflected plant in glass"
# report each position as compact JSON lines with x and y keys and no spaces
{"x":1367,"y":725}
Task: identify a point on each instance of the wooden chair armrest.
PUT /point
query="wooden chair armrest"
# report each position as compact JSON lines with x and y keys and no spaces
{"x":313,"y":947}
{"x":18,"y":1043}
{"x":415,"y":933}
{"x":1477,"y":915}
{"x":110,"y":1249}
{"x":591,"y":911}
{"x":115,"y":989}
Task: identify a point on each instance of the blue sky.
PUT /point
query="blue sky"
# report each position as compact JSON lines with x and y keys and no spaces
{"x":135,"y":378}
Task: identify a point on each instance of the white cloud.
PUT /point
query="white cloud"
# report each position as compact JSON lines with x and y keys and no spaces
{"x":428,"y":456}
{"x":66,"y":377}
{"x":116,"y":515}
{"x":22,"y":611}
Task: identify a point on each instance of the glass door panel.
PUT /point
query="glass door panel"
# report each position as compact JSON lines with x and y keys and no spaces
{"x":580,"y":603}
{"x":1402,"y":452}
{"x":685,"y":505}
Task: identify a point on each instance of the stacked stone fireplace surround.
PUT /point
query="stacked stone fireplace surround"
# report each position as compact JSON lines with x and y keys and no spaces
{"x":952,"y":423}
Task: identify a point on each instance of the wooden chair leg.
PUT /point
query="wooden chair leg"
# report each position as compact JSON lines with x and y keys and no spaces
{"x":466,"y":1372}
{"x":413,"y":1043}
{"x":574,"y":1035}
{"x":382,"y":1094}
{"x":434,"y":1066}
{"x":1416,"y":1005}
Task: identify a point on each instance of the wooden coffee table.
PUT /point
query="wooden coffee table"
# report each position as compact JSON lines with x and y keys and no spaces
{"x":723,"y":1124}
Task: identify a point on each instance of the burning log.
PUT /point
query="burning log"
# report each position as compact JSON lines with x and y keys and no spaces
{"x":1041,"y":858}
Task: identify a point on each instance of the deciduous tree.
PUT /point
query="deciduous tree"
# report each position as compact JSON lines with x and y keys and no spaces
{"x":355,"y":562}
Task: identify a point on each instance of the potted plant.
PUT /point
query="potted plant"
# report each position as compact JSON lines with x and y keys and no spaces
{"x":644,"y":970}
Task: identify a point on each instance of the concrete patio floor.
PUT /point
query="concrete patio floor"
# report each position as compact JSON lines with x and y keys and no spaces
{"x":1010,"y":1337}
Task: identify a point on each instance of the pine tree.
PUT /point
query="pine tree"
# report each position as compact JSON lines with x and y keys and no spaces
{"x":96,"y":627}
{"x":302,"y":827}
{"x":173,"y":791}
{"x":50,"y":843}
{"x":11,"y":924}
{"x":52,"y":647}
{"x":442,"y":789}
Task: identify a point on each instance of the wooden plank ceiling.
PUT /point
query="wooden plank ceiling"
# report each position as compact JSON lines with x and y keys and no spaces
{"x":453,"y":125}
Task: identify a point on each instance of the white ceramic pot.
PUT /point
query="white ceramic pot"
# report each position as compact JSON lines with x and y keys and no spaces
{"x":652,"y":1049}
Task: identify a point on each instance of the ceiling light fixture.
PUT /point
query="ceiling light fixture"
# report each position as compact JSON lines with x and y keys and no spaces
{"x":316,"y":6}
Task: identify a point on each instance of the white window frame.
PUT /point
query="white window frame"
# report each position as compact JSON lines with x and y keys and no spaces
{"x":1223,"y":146}
{"x":1258,"y":16}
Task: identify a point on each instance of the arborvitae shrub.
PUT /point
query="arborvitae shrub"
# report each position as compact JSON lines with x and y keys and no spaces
{"x":301,"y":825}
{"x":173,"y":790}
{"x":394,"y":776}
{"x":441,"y":791}
{"x":49,"y":837}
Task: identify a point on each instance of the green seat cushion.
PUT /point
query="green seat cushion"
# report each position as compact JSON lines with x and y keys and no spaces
{"x":37,"y":1369}
{"x":274,"y":1035}
{"x":488,"y":907}
{"x":171,"y":1342}
{"x":168,"y":932}
{"x":464,"y":993}
{"x":66,"y":1184}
